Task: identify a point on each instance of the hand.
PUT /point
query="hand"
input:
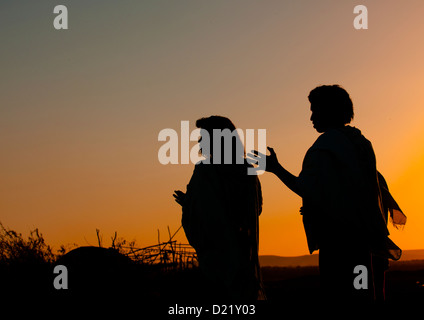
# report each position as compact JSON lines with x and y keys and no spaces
{"x":271,"y":161}
{"x":179,"y":197}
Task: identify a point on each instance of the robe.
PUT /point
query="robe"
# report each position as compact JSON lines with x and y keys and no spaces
{"x":221,"y":221}
{"x":342,"y":201}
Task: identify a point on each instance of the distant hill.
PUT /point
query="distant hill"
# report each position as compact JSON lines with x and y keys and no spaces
{"x":278,"y":261}
{"x":412,"y":255}
{"x":312,"y":260}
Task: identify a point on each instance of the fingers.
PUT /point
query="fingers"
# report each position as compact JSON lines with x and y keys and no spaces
{"x":251,"y":161}
{"x":271,"y":150}
{"x":257,"y":154}
{"x":178,"y":200}
{"x":253,"y":156}
{"x":256,"y":157}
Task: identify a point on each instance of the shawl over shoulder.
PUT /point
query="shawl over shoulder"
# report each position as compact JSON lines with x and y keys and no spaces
{"x":341,"y":194}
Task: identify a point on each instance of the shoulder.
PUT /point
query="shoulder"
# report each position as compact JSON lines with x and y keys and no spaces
{"x":203,"y":169}
{"x":344,"y":139}
{"x":201,"y":166}
{"x":328,"y":139}
{"x":199,"y":175}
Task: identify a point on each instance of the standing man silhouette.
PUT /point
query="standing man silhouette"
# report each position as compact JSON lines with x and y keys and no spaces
{"x":342,"y":205}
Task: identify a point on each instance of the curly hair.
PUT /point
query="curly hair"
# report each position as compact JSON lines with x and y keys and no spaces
{"x":335,"y":101}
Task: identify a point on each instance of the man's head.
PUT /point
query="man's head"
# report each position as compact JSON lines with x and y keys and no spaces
{"x":331,"y":107}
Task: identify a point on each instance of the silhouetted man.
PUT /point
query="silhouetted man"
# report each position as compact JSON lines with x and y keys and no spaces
{"x":342,"y":207}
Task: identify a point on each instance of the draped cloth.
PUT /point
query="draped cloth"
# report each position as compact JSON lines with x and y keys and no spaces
{"x":381,"y":264}
{"x":397,"y":217}
{"x":221,"y":221}
{"x":343,"y":197}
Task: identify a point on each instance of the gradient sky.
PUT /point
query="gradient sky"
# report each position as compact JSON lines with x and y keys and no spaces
{"x":81,"y":109}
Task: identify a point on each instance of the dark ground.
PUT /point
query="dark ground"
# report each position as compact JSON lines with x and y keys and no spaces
{"x":404,"y":282}
{"x":123,"y":281}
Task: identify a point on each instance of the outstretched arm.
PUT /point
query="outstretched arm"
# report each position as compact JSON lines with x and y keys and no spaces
{"x":273,"y":166}
{"x":287,"y":178}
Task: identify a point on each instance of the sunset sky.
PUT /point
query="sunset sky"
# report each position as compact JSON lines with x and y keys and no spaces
{"x":81,"y":109}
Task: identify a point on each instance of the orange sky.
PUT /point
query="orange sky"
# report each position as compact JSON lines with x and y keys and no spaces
{"x":81,"y":109}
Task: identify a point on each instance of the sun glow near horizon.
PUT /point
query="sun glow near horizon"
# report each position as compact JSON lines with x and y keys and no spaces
{"x":81,"y":109}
